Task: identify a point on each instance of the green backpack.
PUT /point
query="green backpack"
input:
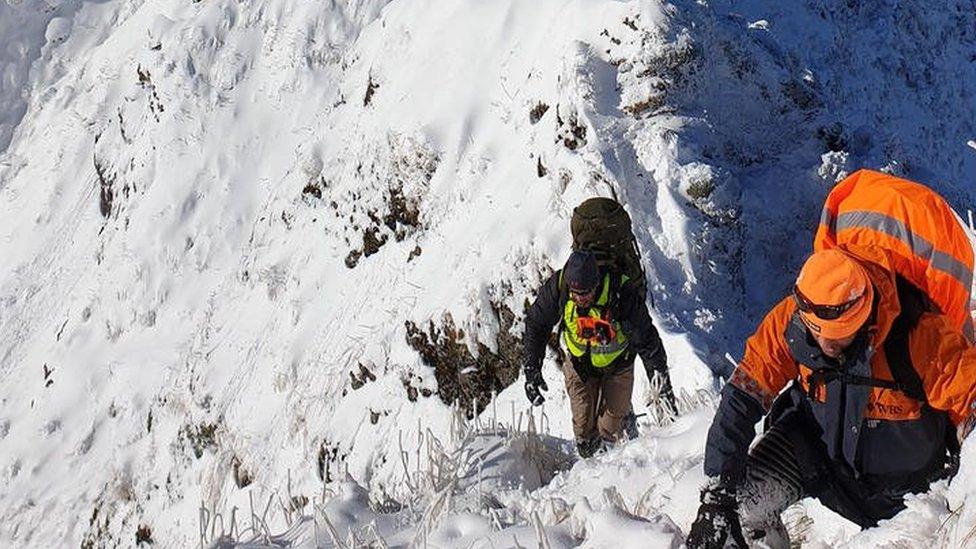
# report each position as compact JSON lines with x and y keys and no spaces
{"x":602,"y":226}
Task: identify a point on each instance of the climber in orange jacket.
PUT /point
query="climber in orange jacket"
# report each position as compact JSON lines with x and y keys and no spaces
{"x":883,"y":390}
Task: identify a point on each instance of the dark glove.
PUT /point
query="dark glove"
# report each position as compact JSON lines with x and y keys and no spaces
{"x":717,"y":522}
{"x":534,"y":384}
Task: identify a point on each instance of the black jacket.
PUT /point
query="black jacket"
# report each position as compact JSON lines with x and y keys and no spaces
{"x":628,"y":308}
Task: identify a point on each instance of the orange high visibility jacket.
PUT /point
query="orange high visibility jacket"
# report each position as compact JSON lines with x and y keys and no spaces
{"x":943,"y":359}
{"x":926,"y":240}
{"x":881,"y":433}
{"x":888,"y":438}
{"x":899,"y":432}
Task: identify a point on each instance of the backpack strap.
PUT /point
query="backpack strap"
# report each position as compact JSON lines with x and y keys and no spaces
{"x":914,"y":303}
{"x":616,"y":283}
{"x":823,"y":376}
{"x":896,"y":346}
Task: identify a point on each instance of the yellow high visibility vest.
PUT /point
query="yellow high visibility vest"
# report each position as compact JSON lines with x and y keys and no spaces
{"x":601,"y":355}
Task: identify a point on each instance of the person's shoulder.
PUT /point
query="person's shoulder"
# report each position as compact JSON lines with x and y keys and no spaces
{"x":781,"y":313}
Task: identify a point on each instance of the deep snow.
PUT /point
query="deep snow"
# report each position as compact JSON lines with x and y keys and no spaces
{"x":215,"y":215}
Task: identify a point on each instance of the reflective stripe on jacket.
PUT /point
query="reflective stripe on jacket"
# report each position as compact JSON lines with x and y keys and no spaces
{"x":925,"y":239}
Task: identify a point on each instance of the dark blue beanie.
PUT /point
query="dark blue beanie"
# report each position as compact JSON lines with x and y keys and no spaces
{"x":581,"y":272}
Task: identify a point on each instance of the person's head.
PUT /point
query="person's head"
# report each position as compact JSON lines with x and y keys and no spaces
{"x":834,"y":296}
{"x":582,"y":277}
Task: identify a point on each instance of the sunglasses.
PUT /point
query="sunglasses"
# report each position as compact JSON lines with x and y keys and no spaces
{"x":823,"y":312}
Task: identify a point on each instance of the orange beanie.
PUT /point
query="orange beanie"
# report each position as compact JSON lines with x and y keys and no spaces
{"x":831,"y":277}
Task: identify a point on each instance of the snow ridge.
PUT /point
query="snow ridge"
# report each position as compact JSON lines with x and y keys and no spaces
{"x":219,"y":219}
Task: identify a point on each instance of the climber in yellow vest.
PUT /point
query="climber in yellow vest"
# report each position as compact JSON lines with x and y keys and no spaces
{"x":603,"y":325}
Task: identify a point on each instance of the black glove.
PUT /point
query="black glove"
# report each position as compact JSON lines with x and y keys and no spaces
{"x":717,"y":522}
{"x":533,"y":385}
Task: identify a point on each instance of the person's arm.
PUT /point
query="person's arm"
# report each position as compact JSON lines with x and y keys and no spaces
{"x":645,"y":341}
{"x":542,"y":315}
{"x":764,"y":371}
{"x":766,"y":368}
{"x":643,"y":335}
{"x":946,"y":362}
{"x":732,"y":430}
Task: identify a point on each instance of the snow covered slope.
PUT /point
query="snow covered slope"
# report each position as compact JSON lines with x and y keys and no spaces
{"x":248,"y":247}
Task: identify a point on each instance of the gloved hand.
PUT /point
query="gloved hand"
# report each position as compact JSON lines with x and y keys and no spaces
{"x":534,"y":384}
{"x":717,"y":522}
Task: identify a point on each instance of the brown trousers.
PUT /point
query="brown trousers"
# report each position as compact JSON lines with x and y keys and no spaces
{"x":599,"y":404}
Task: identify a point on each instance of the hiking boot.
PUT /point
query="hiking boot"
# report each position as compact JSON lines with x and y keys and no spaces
{"x":588,"y":447}
{"x":629,"y":425}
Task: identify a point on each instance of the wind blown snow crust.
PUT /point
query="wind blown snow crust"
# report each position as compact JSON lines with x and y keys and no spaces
{"x":217,"y":219}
